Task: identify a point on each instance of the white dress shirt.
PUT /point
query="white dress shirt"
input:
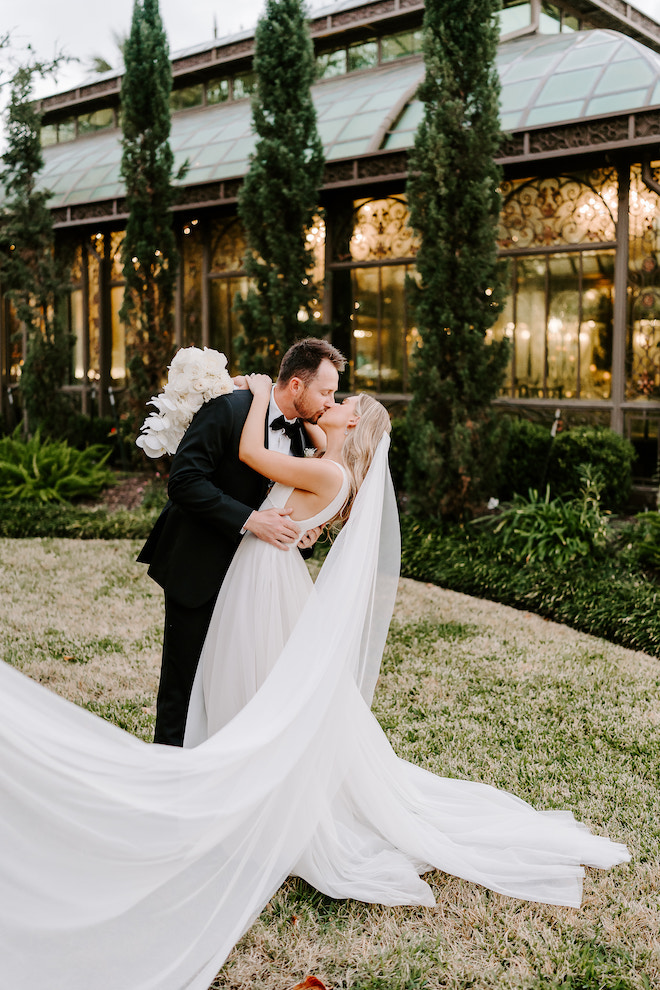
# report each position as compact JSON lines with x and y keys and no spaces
{"x":277,"y":439}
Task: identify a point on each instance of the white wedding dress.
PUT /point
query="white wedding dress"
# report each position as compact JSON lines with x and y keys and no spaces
{"x":130,"y":865}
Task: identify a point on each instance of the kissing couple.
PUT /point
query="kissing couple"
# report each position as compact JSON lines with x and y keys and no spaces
{"x":136,"y":866}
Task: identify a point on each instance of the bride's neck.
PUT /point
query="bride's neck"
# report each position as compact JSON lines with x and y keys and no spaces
{"x":335,"y":445}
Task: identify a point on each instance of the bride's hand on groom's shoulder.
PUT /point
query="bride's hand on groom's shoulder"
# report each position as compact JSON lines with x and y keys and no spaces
{"x":259,"y":384}
{"x":240,"y":382}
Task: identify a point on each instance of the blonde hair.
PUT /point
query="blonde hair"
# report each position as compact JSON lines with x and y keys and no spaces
{"x":360,"y":445}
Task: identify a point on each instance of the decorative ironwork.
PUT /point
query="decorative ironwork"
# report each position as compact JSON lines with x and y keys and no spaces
{"x":338,"y":172}
{"x":647,"y":124}
{"x":381,"y":230}
{"x":228,"y":245}
{"x":92,"y":211}
{"x":563,"y":209}
{"x":512,"y":147}
{"x":210,"y":192}
{"x":107,"y":86}
{"x":392,"y":164}
{"x":595,"y":133}
{"x":230,"y":189}
{"x":643,"y":358}
{"x":364,"y":13}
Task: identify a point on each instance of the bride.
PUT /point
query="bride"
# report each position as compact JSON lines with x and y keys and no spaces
{"x":136,"y":866}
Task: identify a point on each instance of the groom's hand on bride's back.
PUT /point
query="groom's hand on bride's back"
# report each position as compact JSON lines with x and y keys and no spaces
{"x":273,"y":526}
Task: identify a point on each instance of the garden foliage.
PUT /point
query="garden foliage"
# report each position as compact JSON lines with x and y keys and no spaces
{"x":533,"y":459}
{"x":31,"y":271}
{"x":455,"y":435}
{"x":615,"y":602}
{"x":50,"y":470}
{"x":279,"y":197}
{"x":149,"y":254}
{"x":554,"y":530}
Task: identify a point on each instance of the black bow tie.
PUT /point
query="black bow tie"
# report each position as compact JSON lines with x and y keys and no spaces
{"x":291,"y":429}
{"x":294,"y":433}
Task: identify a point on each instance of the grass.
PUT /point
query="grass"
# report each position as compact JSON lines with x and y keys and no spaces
{"x":468,"y":689}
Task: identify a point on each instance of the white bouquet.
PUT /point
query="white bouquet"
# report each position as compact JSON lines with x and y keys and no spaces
{"x":195,"y":376}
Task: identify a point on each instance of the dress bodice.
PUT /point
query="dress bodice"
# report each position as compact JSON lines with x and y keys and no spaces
{"x":279,"y":494}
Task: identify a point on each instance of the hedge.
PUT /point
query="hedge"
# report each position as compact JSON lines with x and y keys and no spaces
{"x":610,"y":601}
{"x":34,"y":519}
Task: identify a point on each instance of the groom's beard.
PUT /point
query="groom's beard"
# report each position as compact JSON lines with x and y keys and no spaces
{"x":304,"y":409}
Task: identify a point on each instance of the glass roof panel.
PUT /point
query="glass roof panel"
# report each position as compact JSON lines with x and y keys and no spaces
{"x":528,"y":68}
{"x":631,"y":74}
{"x":631,"y":100}
{"x":552,"y":113}
{"x":545,"y":79}
{"x":566,"y":85}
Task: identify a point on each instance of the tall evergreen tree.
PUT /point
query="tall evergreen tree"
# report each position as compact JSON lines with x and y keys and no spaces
{"x":454,"y":204}
{"x":279,"y":196}
{"x":149,"y":251}
{"x":31,"y":273}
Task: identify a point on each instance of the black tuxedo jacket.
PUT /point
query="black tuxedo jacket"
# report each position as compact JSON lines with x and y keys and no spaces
{"x":212,"y":494}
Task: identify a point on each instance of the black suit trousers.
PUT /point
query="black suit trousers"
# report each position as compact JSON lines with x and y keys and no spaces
{"x":185,"y":632}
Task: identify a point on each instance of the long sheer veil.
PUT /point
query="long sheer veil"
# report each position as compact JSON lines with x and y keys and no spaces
{"x":132,"y":866}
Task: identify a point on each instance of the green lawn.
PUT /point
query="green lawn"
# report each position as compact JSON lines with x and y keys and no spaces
{"x":469,"y":689}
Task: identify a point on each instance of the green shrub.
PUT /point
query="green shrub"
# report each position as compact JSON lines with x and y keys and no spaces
{"x":399,"y":452}
{"x":610,"y":601}
{"x":48,"y":519}
{"x":533,"y":460}
{"x":640,"y":541}
{"x":552,"y":530}
{"x":526,"y":461}
{"x":609,"y":453}
{"x":50,"y":470}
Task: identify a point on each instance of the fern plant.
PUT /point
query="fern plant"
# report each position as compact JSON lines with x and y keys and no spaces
{"x":51,"y":470}
{"x":553,"y":530}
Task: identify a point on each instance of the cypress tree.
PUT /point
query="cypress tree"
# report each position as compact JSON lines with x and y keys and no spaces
{"x":279,"y":197}
{"x":455,"y":437}
{"x":149,"y":254}
{"x":31,"y":273}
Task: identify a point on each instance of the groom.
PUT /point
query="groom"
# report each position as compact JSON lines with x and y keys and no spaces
{"x":213,"y":502}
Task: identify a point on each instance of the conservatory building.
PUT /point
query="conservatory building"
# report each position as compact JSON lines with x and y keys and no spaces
{"x":579,"y":227}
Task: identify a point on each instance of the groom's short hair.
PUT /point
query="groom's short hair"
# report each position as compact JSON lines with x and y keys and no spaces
{"x":303,"y":358}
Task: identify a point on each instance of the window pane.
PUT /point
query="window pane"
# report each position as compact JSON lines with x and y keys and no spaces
{"x":562,"y":330}
{"x":397,"y":45}
{"x":227,"y":245}
{"x":66,"y":130}
{"x":550,"y":21}
{"x":515,"y":15}
{"x":77,"y":329}
{"x":643,"y":351}
{"x":365,"y":327}
{"x":48,"y":135}
{"x":362,"y":56}
{"x":329,"y":64}
{"x":530,"y":327}
{"x":392,"y":332}
{"x":118,"y":363}
{"x":88,"y":123}
{"x":569,"y":23}
{"x":244,"y":85}
{"x":225,"y":324}
{"x":596,"y":324}
{"x":189,"y":96}
{"x":192,"y":285}
{"x":217,"y":90}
